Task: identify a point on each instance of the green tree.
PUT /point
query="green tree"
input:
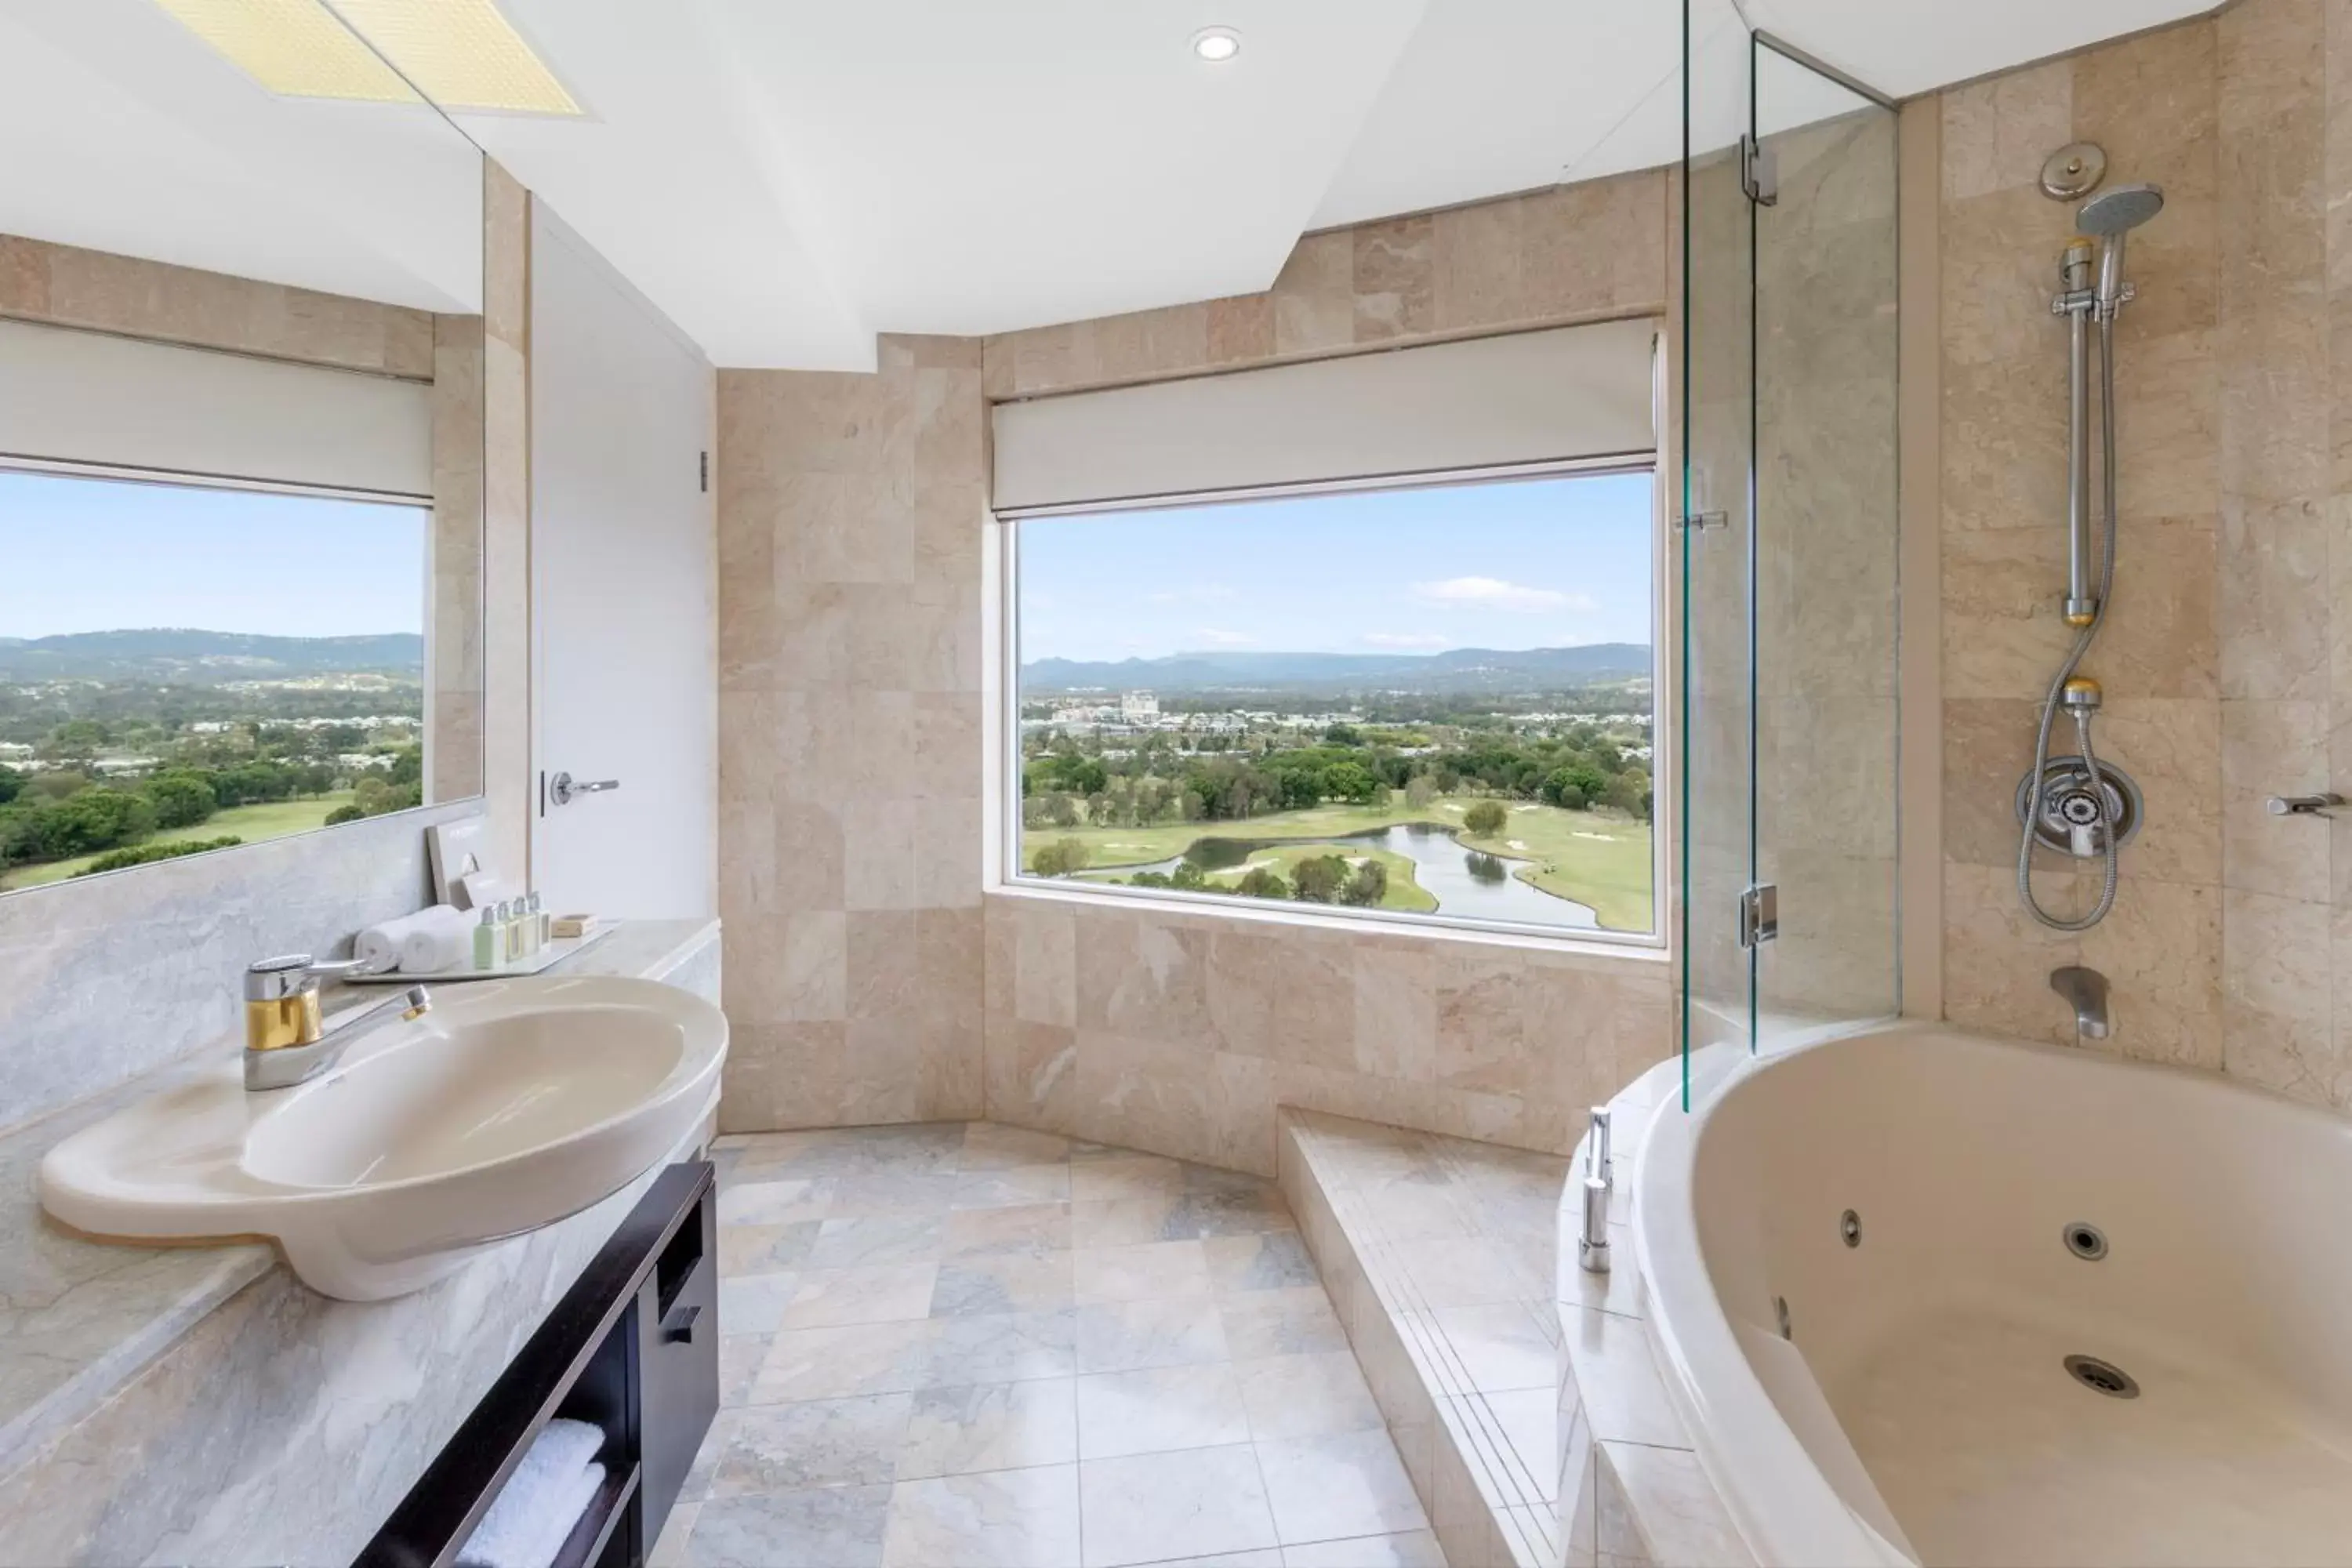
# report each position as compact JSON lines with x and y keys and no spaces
{"x":1419,"y":791}
{"x":93,"y":820}
{"x":57,"y":784}
{"x":1367,"y":886}
{"x":1342,"y":735}
{"x":1353,"y":783}
{"x":347,"y":812}
{"x":1188,"y":877}
{"x":182,"y":798}
{"x":1319,"y":878}
{"x":12,"y":782}
{"x":1485,"y":818}
{"x":1059,"y":858}
{"x":76,"y":741}
{"x":1263,"y":882}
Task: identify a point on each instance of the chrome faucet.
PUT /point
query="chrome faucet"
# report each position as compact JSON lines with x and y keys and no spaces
{"x":1600,"y":1175}
{"x":2086,"y":990}
{"x":285,"y":1042}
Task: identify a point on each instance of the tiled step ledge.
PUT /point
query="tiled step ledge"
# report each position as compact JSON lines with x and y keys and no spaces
{"x":1436,"y":1253}
{"x":1631,"y":1490}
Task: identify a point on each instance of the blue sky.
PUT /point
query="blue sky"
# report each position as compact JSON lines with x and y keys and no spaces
{"x":1529,"y":563}
{"x":86,"y":556}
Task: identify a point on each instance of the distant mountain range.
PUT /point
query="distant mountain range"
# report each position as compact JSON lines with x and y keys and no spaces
{"x":1462,"y":669}
{"x":178,"y":656}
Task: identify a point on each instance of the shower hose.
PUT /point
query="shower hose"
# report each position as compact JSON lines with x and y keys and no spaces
{"x":2083,"y":641}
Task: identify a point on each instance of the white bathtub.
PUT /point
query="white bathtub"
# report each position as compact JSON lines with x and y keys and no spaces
{"x":1920,"y":1409}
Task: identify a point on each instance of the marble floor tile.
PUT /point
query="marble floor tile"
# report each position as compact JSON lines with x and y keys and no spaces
{"x":774,"y":1203}
{"x":1033,"y":1228}
{"x":893,"y":1193}
{"x":669,"y":1551}
{"x":839,"y":1527}
{"x":988,"y":1146}
{"x":755,"y":1303}
{"x":766,"y":1248}
{"x":740,"y":1357}
{"x":1415,"y":1549}
{"x":1154,"y":1507}
{"x":820,"y":1443}
{"x":1160,"y":1409}
{"x":1149,"y":1271}
{"x":1125,"y":1176}
{"x":1262,"y":1323}
{"x":1306,"y":1395}
{"x":1126,"y":1336}
{"x":1271,"y":1260}
{"x":991,"y":1426}
{"x":839,"y":1364}
{"x":836,"y":1298}
{"x":1012,"y":1187}
{"x":855,"y":1243}
{"x":1127,"y":1221}
{"x":1011,"y":1347}
{"x":1000,"y":1519}
{"x":1350,"y":1484}
{"x":1010,"y":1282}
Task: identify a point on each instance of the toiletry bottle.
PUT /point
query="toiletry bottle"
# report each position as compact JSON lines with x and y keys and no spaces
{"x":507,"y":951}
{"x":527,"y":922}
{"x":545,"y":920}
{"x":486,"y":940}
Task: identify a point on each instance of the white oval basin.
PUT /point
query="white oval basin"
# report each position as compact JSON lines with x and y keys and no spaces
{"x":509,"y":1106}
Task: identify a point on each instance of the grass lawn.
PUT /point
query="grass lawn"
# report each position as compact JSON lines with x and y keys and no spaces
{"x":1403,"y":892}
{"x":1597,"y":857}
{"x":273,"y":819}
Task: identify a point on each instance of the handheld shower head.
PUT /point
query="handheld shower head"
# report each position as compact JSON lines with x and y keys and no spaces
{"x":2123,"y":209}
{"x":2110,"y":216}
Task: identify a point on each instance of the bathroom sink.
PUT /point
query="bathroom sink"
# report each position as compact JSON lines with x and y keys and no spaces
{"x":512,"y":1105}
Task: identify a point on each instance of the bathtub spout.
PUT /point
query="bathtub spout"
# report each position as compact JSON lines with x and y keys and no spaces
{"x":2086,"y":990}
{"x":1592,"y":1244}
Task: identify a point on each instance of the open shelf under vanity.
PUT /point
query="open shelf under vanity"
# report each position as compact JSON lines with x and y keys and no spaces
{"x":631,"y":1350}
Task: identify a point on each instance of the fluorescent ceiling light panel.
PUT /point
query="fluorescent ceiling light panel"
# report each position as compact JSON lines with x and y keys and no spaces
{"x":463,"y":53}
{"x":292,"y":47}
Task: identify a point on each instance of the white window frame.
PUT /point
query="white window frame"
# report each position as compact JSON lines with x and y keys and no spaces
{"x":1008,"y":877}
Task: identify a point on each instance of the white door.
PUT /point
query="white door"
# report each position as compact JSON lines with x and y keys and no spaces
{"x":624,"y":665}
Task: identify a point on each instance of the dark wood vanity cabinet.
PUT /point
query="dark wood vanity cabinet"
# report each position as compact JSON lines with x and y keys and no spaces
{"x":632,"y":1349}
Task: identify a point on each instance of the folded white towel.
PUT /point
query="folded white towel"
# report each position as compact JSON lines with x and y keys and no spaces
{"x":532,"y":1515}
{"x":438,"y":940}
{"x":380,"y":947}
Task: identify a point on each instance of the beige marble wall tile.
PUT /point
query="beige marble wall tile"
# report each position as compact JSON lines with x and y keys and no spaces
{"x":1581,"y":252}
{"x":850,"y":509}
{"x":1997,"y":132}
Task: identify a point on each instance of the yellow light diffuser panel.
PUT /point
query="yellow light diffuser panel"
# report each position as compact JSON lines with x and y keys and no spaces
{"x":292,"y":47}
{"x":463,"y":53}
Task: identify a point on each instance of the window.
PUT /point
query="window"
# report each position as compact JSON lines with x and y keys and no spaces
{"x":1431,"y":703}
{"x":183,"y":668}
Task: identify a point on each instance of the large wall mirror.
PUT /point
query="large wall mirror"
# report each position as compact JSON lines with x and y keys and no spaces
{"x":241,"y":433}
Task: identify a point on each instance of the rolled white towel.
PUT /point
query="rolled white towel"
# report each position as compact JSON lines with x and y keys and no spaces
{"x":437,"y":940}
{"x":532,"y":1516}
{"x":379,"y":946}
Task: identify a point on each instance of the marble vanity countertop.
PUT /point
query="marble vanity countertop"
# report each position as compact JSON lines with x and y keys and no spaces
{"x":80,"y":1318}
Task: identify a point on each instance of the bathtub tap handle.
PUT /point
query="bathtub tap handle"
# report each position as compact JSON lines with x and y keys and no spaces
{"x":2304,"y":804}
{"x":1598,"y":1161}
{"x":1592,"y":1244}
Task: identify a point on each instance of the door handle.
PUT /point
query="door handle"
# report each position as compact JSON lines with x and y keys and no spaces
{"x":677,"y":1329}
{"x":563,"y":789}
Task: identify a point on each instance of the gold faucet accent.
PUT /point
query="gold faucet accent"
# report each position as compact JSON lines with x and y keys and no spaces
{"x":282,"y":1016}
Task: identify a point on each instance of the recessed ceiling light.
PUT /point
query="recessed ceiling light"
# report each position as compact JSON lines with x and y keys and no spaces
{"x":462,"y":54}
{"x":1216,"y":43}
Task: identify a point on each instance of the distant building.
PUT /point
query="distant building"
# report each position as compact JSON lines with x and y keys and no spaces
{"x":1138,"y":706}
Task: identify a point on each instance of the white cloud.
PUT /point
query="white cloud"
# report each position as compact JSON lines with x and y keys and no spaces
{"x":1408,"y":639}
{"x":1495,"y":593}
{"x":1217,"y":637}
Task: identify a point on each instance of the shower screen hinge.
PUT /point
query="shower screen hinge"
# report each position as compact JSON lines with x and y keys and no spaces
{"x":1700,"y":521}
{"x":1759,"y":173}
{"x":1759,"y":914}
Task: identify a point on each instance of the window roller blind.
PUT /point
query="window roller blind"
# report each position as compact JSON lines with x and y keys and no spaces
{"x":1544,"y":396}
{"x":84,"y":398}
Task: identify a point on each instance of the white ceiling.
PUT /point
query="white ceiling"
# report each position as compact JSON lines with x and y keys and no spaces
{"x":126,"y":133}
{"x":786,"y":178}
